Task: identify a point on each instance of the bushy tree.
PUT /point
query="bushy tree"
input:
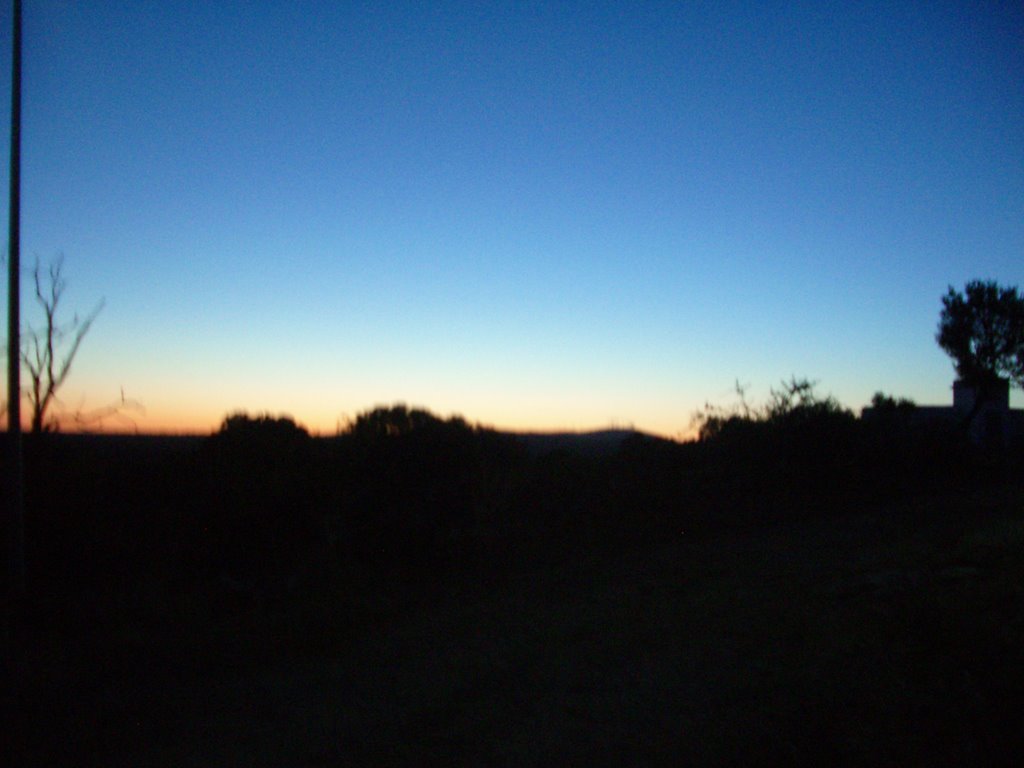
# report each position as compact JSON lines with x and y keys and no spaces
{"x":398,"y":420}
{"x":260,"y":517}
{"x":883,"y":403}
{"x":417,"y":484}
{"x":982,"y":329}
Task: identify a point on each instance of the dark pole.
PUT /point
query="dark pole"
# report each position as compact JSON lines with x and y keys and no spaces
{"x":16,"y":483}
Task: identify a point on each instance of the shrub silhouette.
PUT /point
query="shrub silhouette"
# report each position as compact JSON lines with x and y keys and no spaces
{"x":260,"y":518}
{"x":399,"y":419}
{"x":415,"y":483}
{"x":795,"y":416}
{"x":797,"y":448}
{"x":800,"y":448}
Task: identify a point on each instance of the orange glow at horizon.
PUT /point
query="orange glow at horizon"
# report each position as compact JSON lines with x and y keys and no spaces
{"x":186,"y":406}
{"x":200,"y":421}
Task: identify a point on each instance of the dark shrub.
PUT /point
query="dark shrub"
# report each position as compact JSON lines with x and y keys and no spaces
{"x":260,"y":509}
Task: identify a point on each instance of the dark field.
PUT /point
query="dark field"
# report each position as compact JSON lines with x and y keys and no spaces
{"x":444,"y":595}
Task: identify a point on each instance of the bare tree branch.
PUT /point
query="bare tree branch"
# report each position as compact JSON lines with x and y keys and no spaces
{"x":41,"y":352}
{"x":118,"y":409}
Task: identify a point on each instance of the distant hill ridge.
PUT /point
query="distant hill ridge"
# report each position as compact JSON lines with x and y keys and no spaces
{"x":593,"y":443}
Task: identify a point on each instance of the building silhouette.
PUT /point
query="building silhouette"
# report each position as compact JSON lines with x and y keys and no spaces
{"x":988,"y":420}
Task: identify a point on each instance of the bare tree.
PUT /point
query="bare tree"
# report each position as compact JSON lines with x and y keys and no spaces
{"x":117,"y":409}
{"x":49,"y":351}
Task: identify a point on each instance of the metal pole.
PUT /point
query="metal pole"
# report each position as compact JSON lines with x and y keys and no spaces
{"x":16,"y":483}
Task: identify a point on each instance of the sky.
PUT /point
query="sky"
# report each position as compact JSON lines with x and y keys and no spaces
{"x":539,"y":216}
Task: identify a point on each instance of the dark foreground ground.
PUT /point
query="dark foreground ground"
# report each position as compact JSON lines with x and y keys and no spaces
{"x":890,"y":635}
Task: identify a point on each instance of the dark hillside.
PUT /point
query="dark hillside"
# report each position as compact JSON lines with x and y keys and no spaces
{"x":813,"y":590}
{"x":600,"y":443}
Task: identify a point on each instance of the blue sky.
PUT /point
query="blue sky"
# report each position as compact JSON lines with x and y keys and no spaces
{"x":537,"y":215}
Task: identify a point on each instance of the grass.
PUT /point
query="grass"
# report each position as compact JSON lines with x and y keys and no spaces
{"x":887,"y":637}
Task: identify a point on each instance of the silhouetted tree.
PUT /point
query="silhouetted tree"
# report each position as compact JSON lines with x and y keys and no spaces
{"x":884,"y":403}
{"x":262,"y":518}
{"x":982,"y":329}
{"x":398,"y":420}
{"x":48,"y":366}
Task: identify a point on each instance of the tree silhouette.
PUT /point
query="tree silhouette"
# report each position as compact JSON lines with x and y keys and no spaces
{"x":982,"y":329}
{"x":47,"y":365}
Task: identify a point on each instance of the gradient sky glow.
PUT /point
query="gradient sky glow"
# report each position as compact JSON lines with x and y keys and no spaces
{"x":537,"y":215}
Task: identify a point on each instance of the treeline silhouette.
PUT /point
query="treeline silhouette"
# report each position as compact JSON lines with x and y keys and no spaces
{"x":403,"y":502}
{"x":415,"y":576}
